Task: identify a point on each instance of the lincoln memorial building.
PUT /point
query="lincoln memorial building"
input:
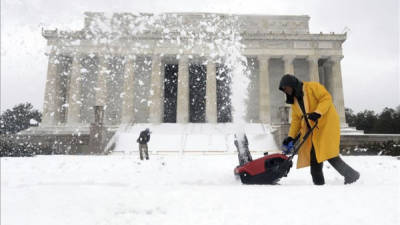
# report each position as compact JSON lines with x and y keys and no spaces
{"x":170,"y":68}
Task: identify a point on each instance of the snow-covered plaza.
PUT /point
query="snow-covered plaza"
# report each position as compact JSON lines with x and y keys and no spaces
{"x":190,"y":189}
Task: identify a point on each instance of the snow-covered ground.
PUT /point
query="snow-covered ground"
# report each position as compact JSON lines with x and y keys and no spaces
{"x":189,"y":189}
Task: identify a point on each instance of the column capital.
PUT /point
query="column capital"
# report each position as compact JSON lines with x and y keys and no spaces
{"x":130,"y":56}
{"x":335,"y":58}
{"x":328,"y":63}
{"x":156,"y":56}
{"x":101,"y":55}
{"x":288,"y":58}
{"x":313,"y":58}
{"x":264,"y":57}
{"x":183,"y":58}
{"x":76,"y":55}
{"x":210,"y":62}
{"x":52,"y":56}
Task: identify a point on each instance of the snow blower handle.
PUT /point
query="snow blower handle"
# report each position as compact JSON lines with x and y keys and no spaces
{"x":305,"y":137}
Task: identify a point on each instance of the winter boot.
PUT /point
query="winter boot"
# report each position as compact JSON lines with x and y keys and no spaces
{"x":352,"y":178}
{"x":350,"y":175}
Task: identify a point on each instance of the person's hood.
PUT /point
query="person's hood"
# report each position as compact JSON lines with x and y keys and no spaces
{"x":296,"y":84}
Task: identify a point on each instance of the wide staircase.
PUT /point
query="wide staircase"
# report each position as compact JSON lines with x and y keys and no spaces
{"x":193,"y":138}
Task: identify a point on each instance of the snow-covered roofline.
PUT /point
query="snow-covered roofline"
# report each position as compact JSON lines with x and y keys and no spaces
{"x":155,"y":25}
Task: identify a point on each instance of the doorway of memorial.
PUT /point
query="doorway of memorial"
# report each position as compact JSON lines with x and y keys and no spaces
{"x":170,"y":92}
{"x":197,"y":93}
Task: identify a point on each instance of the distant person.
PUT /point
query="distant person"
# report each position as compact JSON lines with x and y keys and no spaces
{"x":313,"y":101}
{"x":143,"y":139}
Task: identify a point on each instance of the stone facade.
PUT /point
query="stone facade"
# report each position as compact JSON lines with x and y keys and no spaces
{"x":144,"y":72}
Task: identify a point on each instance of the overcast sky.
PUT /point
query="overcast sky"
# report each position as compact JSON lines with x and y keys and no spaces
{"x":370,"y":67}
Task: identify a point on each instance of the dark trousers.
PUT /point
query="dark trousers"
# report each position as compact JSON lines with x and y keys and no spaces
{"x":143,"y":150}
{"x":337,"y":163}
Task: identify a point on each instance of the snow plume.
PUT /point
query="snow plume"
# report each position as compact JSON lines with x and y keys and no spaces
{"x":213,"y":37}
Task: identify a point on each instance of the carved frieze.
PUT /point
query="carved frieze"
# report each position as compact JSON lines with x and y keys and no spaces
{"x":177,"y":29}
{"x":325,"y":44}
{"x":302,"y":44}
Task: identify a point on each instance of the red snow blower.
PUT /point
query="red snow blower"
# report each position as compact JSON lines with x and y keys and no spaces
{"x":268,"y":169}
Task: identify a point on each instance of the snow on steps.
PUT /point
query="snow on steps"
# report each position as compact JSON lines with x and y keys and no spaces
{"x":192,"y":138}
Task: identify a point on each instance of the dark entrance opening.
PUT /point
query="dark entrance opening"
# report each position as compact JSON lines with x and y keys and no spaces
{"x":197,"y":93}
{"x":170,"y":92}
{"x":322,"y":71}
{"x":224,"y":114}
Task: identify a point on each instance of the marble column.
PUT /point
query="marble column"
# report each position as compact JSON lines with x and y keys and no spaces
{"x":289,"y":67}
{"x":264,"y":93}
{"x":211,"y":93}
{"x":338,"y":97}
{"x":74,"y":96}
{"x":50,"y":95}
{"x":183,"y":90}
{"x":101,"y":83}
{"x":313,"y":67}
{"x":128,"y":98}
{"x":156,"y":87}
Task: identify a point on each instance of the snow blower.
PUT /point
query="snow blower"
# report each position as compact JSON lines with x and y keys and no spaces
{"x":268,"y":169}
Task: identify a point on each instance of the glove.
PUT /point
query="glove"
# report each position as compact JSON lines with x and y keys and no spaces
{"x":314,"y":116}
{"x":288,"y":145}
{"x":287,"y":140}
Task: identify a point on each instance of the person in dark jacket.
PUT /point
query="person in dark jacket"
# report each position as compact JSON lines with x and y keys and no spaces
{"x":143,"y":139}
{"x":312,"y":103}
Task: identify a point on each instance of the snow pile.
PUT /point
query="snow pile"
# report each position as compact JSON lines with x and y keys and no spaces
{"x":119,"y":190}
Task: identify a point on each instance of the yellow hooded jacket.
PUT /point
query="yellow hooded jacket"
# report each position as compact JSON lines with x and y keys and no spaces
{"x":326,"y":136}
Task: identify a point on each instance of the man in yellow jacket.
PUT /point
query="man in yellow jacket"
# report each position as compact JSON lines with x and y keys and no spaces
{"x":313,"y":101}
